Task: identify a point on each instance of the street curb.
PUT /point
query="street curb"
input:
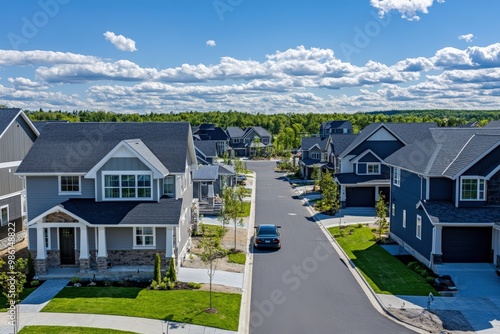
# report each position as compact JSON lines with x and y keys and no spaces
{"x":365,"y":286}
{"x":246,"y":293}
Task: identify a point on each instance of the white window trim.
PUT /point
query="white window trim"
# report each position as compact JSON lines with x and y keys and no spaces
{"x":1,"y":208}
{"x":479,"y":179}
{"x":236,"y":140}
{"x":315,"y":155}
{"x":136,"y":246}
{"x":46,"y":236}
{"x":419,"y":227}
{"x":61,"y":192}
{"x":404,"y":218}
{"x":135,"y":172}
{"x":396,"y":178}
{"x":372,"y":164}
{"x":170,"y":177}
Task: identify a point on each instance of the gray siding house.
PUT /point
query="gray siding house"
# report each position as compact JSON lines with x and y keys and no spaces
{"x":445,"y":196}
{"x":101,"y":193}
{"x":17,"y":135}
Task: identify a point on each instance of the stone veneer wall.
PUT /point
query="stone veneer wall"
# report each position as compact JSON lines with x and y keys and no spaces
{"x":53,"y":258}
{"x":140,"y":257}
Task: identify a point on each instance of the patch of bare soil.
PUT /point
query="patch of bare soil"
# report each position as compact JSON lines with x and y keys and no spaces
{"x":435,"y":321}
{"x":192,"y":260}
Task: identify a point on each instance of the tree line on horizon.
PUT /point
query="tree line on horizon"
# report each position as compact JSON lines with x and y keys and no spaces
{"x":300,"y":123}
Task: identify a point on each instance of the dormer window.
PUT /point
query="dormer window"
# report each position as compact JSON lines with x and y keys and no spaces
{"x":315,"y":155}
{"x":127,"y":186}
{"x":69,"y":185}
{"x":373,"y":168}
{"x":472,"y":188}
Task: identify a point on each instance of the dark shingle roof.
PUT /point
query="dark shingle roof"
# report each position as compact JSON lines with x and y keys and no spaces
{"x":210,"y":132}
{"x":260,"y":131}
{"x":445,"y":212}
{"x":7,"y":115}
{"x":446,"y":151}
{"x":166,"y":211}
{"x":308,"y":142}
{"x":341,"y":141}
{"x":207,"y":147}
{"x":406,"y":132}
{"x":205,"y":173}
{"x":335,"y":125}
{"x":78,"y":147}
{"x":493,"y":124}
{"x":234,"y":132}
{"x":352,"y":178}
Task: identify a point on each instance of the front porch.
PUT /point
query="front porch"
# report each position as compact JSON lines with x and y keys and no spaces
{"x":115,"y":273}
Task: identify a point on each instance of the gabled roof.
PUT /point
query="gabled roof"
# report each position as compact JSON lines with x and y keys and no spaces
{"x":206,"y":173}
{"x":164,"y":212}
{"x":341,"y":141}
{"x":336,"y":124}
{"x":209,"y":132}
{"x":226,"y":170}
{"x":9,"y":115}
{"x":235,"y":132}
{"x":207,"y":147}
{"x":260,"y":131}
{"x":78,"y":147}
{"x":407,"y":133}
{"x":493,"y":124}
{"x":308,"y":143}
{"x":447,"y":151}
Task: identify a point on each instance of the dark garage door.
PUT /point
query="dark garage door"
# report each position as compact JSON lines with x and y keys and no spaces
{"x":386,"y":191}
{"x":360,"y":197}
{"x":466,"y":244}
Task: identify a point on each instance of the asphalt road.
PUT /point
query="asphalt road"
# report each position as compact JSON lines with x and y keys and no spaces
{"x":304,"y":287}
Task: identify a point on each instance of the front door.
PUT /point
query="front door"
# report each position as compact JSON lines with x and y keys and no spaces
{"x":67,"y":245}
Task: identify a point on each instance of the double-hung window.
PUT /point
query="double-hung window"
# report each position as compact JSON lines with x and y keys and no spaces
{"x":69,"y":184}
{"x":373,"y":168}
{"x":144,"y":236}
{"x":472,"y":188}
{"x":315,"y":155}
{"x":129,"y":185}
{"x":396,"y":177}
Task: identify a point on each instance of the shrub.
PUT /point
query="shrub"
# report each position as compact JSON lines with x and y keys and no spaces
{"x":30,"y":268}
{"x":194,"y":285}
{"x":171,"y":274}
{"x":157,"y":270}
{"x":34,"y":282}
{"x":359,"y":225}
{"x":429,"y":279}
{"x":75,"y":280}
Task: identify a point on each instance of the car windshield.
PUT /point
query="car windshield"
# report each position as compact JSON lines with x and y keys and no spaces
{"x":267,"y":230}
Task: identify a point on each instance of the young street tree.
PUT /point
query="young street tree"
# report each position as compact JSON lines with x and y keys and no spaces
{"x":210,"y":254}
{"x":381,"y":208}
{"x":330,"y":192}
{"x":232,"y":208}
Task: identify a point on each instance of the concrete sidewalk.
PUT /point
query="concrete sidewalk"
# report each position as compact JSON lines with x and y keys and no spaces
{"x":138,"y":325}
{"x":220,"y":277}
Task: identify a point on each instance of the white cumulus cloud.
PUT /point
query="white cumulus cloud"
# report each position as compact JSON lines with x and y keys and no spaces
{"x":407,"y":8}
{"x":468,"y":37}
{"x":121,"y":42}
{"x":211,"y":43}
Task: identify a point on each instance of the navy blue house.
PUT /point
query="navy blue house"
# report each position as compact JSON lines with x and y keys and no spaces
{"x":445,"y":196}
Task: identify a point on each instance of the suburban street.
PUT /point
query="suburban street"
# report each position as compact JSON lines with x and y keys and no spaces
{"x":304,"y":287}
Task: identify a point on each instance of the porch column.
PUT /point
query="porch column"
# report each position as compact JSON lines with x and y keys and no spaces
{"x":41,"y":253}
{"x":169,"y":250}
{"x":102,"y":253}
{"x":377,"y":194}
{"x":84,"y":249}
{"x":437,"y":233}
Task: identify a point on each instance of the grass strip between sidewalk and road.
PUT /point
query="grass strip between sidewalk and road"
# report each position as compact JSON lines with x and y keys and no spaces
{"x":385,"y":273}
{"x":3,"y":300}
{"x":69,"y":330}
{"x":186,"y":306}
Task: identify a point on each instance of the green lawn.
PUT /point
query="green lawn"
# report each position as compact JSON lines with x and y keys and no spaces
{"x":174,"y":305}
{"x":3,"y":299}
{"x":246,"y":209}
{"x":69,"y":330}
{"x":384,"y":272}
{"x":237,"y":258}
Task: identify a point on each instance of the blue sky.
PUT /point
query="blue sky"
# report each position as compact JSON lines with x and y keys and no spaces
{"x":250,"y":55}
